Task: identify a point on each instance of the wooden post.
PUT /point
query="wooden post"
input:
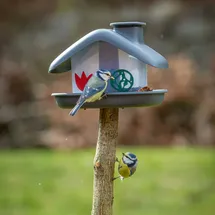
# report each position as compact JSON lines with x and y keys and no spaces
{"x":104,"y":162}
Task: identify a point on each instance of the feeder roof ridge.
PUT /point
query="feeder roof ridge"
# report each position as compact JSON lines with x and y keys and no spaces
{"x":141,"y":51}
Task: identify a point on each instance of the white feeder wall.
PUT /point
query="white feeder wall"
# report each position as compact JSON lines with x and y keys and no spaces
{"x":135,"y":67}
{"x":100,"y":55}
{"x":86,"y":61}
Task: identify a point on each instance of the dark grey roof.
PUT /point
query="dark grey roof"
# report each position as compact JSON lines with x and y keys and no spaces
{"x":140,"y":51}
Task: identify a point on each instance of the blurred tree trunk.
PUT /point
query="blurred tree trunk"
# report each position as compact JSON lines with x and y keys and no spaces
{"x":104,"y":162}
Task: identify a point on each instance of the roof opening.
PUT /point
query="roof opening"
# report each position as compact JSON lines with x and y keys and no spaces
{"x":127,"y":24}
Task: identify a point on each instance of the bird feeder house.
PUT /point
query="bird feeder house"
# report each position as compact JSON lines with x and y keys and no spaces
{"x":122,"y":51}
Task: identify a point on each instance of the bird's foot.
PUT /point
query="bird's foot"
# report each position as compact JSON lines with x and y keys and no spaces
{"x":116,"y":160}
{"x":116,"y":178}
{"x":104,"y":96}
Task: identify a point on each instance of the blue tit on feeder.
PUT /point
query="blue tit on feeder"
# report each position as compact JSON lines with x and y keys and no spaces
{"x":93,"y":90}
{"x":127,"y":165}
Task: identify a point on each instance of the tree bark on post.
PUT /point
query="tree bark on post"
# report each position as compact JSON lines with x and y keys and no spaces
{"x":104,"y":162}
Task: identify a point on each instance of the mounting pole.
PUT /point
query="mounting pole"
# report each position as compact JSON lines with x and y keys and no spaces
{"x":104,"y":162}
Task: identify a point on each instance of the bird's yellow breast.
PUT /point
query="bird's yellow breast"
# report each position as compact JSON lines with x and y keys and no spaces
{"x":123,"y":170}
{"x":95,"y":97}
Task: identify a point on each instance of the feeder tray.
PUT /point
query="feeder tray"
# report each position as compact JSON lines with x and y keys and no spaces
{"x":116,"y":99}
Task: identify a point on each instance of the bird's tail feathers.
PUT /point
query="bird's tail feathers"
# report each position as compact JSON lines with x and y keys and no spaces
{"x":76,"y":108}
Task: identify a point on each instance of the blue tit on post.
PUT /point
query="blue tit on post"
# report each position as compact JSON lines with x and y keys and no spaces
{"x":93,"y":90}
{"x":127,"y":165}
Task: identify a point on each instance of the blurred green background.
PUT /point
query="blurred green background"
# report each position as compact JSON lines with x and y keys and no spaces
{"x":46,"y":157}
{"x":168,"y":181}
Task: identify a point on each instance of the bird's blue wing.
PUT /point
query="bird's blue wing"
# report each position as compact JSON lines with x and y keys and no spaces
{"x":93,"y":87}
{"x":132,"y":170}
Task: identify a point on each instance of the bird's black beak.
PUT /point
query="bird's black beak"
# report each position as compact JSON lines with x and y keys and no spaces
{"x":123,"y":154}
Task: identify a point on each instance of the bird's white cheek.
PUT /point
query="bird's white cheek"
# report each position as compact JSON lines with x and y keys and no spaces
{"x":127,"y":161}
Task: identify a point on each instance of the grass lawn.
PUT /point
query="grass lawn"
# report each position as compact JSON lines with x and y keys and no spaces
{"x":167,"y":182}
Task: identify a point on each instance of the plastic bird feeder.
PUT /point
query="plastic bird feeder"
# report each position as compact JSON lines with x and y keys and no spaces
{"x":120,"y":50}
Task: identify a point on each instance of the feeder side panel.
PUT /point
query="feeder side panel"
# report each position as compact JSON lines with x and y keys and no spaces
{"x":135,"y":67}
{"x":108,"y":60}
{"x":84,"y":64}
